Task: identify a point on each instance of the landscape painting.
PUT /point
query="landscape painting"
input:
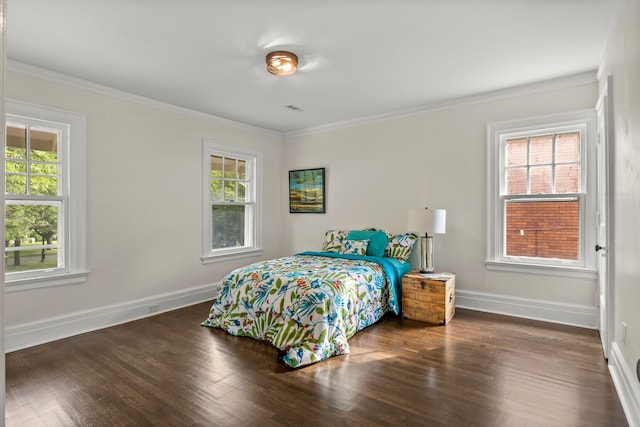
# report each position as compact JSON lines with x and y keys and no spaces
{"x":306,"y":191}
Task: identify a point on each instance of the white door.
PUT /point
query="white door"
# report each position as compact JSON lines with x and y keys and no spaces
{"x":604,"y":256}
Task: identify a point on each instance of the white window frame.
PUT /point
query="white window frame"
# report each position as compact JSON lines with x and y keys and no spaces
{"x":253,"y":224}
{"x":497,"y":134}
{"x":72,"y":195}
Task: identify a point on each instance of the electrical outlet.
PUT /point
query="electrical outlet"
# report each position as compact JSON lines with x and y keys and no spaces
{"x":153,"y":308}
{"x":624,"y":333}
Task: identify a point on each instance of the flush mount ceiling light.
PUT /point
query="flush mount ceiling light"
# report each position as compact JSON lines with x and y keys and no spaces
{"x":282,"y":63}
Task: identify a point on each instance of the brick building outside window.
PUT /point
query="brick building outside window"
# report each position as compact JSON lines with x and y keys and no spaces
{"x":542,"y":191}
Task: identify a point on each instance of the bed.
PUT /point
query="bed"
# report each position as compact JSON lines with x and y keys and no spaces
{"x":308,"y":305}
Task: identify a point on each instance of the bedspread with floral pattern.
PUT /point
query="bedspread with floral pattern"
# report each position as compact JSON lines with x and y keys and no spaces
{"x":306,"y":305}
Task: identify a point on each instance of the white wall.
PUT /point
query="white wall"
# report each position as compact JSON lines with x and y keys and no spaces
{"x":144,"y":200}
{"x":377,"y":171}
{"x":623,"y":63}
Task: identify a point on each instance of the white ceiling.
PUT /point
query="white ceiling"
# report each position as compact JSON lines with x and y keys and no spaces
{"x":359,"y":58}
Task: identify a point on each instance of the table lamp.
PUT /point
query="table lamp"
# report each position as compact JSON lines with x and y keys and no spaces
{"x":427,"y":221}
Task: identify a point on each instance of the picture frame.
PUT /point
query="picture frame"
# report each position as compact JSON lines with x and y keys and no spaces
{"x":307,"y":191}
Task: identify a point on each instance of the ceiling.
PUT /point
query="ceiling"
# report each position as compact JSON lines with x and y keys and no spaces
{"x":359,"y":59}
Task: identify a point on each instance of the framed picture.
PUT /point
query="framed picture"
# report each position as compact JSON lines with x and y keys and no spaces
{"x":306,"y":191}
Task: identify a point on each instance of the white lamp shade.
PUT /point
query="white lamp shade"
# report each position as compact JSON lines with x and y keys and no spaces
{"x":429,"y":221}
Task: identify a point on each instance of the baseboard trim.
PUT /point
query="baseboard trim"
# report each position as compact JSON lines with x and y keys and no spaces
{"x":34,"y":333}
{"x":42,"y":331}
{"x":567,"y":314}
{"x":626,"y":385}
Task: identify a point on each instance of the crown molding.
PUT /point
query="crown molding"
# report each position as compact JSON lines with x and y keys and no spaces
{"x":573,"y":80}
{"x":55,"y":77}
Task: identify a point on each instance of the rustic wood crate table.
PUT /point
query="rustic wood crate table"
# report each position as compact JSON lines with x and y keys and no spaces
{"x":429,"y":297}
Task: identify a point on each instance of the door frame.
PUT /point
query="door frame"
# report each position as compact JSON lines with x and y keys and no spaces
{"x":3,"y":64}
{"x":604,"y":229}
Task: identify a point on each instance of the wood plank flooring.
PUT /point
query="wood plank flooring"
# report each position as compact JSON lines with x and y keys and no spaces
{"x":479,"y":370}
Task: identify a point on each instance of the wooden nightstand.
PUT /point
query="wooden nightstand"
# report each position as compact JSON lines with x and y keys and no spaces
{"x":429,"y":297}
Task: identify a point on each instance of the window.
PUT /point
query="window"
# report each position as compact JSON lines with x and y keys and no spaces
{"x":542,"y":200}
{"x":45,"y":223}
{"x":231,"y":215}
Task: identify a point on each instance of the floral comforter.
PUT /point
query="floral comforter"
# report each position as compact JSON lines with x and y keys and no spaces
{"x":308,"y":305}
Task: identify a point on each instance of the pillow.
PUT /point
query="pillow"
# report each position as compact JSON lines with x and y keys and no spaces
{"x":378,"y":240}
{"x":400,"y":246}
{"x":333,"y":240}
{"x":355,"y":247}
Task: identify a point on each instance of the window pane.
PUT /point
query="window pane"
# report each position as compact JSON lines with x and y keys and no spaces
{"x":540,"y":149}
{"x":541,"y":180}
{"x":517,"y":152}
{"x":44,"y":145}
{"x":16,"y":184}
{"x":28,"y":228}
{"x":15,"y":177}
{"x":229,"y":168}
{"x":44,"y":186}
{"x":16,"y":142}
{"x":242,"y":170}
{"x":216,"y":166}
{"x":227,"y":226}
{"x":20,"y":167}
{"x":567,"y":178}
{"x":216,"y":190}
{"x":242,"y":192}
{"x":568,"y":147}
{"x":517,"y":181}
{"x":44,"y":169}
{"x":542,"y":229}
{"x":41,"y":167}
{"x":229,"y":191}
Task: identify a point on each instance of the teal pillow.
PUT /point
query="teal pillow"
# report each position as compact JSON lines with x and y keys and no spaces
{"x":378,"y":240}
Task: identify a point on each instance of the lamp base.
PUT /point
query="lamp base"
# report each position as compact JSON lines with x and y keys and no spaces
{"x":426,"y":254}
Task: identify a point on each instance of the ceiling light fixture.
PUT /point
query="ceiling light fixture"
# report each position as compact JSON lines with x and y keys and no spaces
{"x":282,"y":63}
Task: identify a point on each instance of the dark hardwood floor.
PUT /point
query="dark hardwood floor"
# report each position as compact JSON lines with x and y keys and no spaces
{"x":479,"y":370}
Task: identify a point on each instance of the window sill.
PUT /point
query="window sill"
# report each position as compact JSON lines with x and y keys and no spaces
{"x":549,"y":270}
{"x":210,"y":259}
{"x":18,"y":285}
